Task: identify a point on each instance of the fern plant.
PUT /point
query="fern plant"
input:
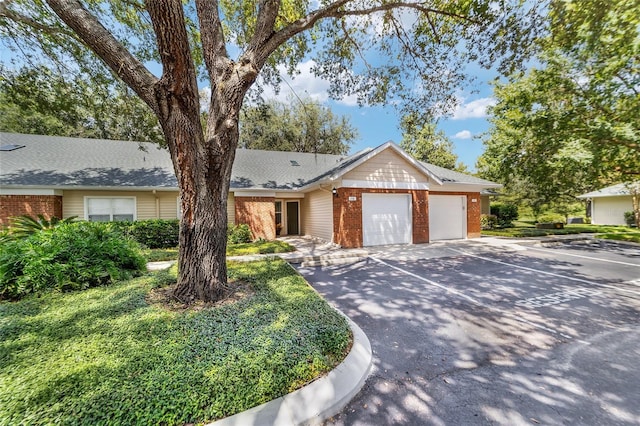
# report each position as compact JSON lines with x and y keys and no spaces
{"x":25,"y":225}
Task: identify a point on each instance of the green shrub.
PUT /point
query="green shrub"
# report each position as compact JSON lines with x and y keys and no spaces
{"x":505,"y":214}
{"x":239,"y":234}
{"x":152,"y":233}
{"x":551,"y":218}
{"x":25,"y":225}
{"x":630,"y":218}
{"x":488,"y":221}
{"x":71,"y":256}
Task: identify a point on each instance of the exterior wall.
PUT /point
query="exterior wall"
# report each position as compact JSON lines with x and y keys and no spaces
{"x":231,"y":209}
{"x":610,"y":210}
{"x":474,"y":207}
{"x":317,"y":214}
{"x":32,"y":205}
{"x":145,"y":202}
{"x":387,"y":166}
{"x":485,"y":204}
{"x":259,"y":213}
{"x":347,"y":215}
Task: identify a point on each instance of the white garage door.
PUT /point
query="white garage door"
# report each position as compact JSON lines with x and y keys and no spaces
{"x":386,"y":219}
{"x":447,"y":217}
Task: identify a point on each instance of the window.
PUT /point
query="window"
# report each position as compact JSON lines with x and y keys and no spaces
{"x":278,"y":217}
{"x":106,"y":209}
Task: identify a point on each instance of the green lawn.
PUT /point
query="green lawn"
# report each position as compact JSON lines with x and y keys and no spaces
{"x":260,"y":247}
{"x":633,"y":237}
{"x":525,"y":230}
{"x":109,"y":356}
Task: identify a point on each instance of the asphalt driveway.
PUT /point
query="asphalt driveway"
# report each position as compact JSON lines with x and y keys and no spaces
{"x":474,"y":333}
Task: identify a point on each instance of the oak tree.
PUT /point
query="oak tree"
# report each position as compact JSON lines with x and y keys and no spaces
{"x":303,"y":125}
{"x":411,"y":53}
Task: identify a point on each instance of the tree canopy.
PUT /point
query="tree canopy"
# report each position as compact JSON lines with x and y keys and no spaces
{"x":40,"y":101}
{"x":571,"y":124}
{"x":302,"y":126}
{"x":413,"y":54}
{"x":425,"y":143}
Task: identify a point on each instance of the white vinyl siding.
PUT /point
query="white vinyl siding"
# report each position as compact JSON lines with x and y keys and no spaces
{"x":386,"y":219}
{"x":610,"y":210}
{"x":108,"y":209}
{"x":231,"y":209}
{"x":387,"y":166}
{"x":317,"y":215}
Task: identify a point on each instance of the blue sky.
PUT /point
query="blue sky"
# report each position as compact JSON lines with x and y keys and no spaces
{"x":377,"y":125}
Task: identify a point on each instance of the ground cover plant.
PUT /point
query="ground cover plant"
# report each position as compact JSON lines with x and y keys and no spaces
{"x":529,"y":230}
{"x":242,"y":249}
{"x":117,"y":354}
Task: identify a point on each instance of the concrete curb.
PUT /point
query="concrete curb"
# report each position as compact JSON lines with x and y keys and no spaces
{"x":318,"y":400}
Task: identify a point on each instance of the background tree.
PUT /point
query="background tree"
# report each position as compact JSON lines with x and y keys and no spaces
{"x":373,"y":48}
{"x":571,"y":124}
{"x":302,"y":126}
{"x":39,"y":101}
{"x":425,"y":143}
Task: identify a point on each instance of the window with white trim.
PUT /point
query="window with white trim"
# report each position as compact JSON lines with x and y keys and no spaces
{"x":110,"y":209}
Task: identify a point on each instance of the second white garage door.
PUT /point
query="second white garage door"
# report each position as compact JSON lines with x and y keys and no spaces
{"x":447,"y":217}
{"x":386,"y":219}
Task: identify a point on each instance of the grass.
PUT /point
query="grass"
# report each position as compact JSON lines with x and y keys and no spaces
{"x":524,"y":230}
{"x":109,"y":356}
{"x":259,"y":247}
{"x":633,"y":237}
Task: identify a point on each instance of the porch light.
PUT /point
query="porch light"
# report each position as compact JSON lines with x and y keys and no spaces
{"x":334,"y":191}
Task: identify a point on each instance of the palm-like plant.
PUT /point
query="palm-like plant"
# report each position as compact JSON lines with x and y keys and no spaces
{"x":25,"y":225}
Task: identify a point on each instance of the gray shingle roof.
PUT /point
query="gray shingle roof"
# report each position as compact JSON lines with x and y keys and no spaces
{"x":618,"y":190}
{"x":52,"y":161}
{"x":450,"y":176}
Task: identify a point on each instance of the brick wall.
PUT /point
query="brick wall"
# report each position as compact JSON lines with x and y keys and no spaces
{"x":347,"y":215}
{"x":473,"y":211}
{"x":32,"y":205}
{"x":259,"y":213}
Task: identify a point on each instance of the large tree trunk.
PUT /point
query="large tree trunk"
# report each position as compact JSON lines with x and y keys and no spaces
{"x":204,"y":188}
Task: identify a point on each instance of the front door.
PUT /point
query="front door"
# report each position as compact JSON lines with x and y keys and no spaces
{"x":293,"y":227}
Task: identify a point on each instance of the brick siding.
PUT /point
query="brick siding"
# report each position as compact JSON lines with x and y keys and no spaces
{"x":259,"y":213}
{"x":32,"y":205}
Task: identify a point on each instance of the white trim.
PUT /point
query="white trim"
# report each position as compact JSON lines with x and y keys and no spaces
{"x":87,"y":197}
{"x":289,"y":195}
{"x":239,"y":193}
{"x":372,"y":184}
{"x":30,"y":191}
{"x":458,"y":187}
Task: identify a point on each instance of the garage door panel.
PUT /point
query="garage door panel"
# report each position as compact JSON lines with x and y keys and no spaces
{"x":447,"y":217}
{"x":386,"y":219}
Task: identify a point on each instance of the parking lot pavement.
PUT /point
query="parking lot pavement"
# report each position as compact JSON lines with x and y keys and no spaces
{"x":466,"y":333}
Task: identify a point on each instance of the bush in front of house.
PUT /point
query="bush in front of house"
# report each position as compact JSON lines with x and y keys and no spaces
{"x":488,"y":221}
{"x":71,"y":256}
{"x":505,"y":214}
{"x":152,"y":233}
{"x":551,"y":218}
{"x":239,"y":234}
{"x":630,"y":218}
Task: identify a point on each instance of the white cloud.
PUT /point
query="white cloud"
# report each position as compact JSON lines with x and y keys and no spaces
{"x":304,"y":85}
{"x":473,"y":109}
{"x":464,"y":134}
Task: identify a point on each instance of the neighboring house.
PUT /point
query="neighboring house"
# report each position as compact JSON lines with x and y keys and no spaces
{"x":608,"y":205}
{"x":376,"y":196}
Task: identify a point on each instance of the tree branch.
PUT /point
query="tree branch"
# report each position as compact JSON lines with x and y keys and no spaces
{"x":107,"y":47}
{"x":335,"y":10}
{"x":212,"y":35}
{"x":179,"y":82}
